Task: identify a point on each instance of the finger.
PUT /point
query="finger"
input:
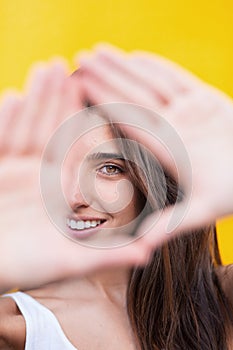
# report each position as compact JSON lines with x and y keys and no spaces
{"x":29,"y":117}
{"x":96,"y":92}
{"x":11,"y":104}
{"x":165,"y":77}
{"x":23,"y":129}
{"x":181,"y":79}
{"x":118,"y":83}
{"x":65,"y":101}
{"x":65,"y":131}
{"x":49,"y":117}
{"x":157,"y":78}
{"x":150,"y":77}
{"x":72,"y":99}
{"x":182,"y":218}
{"x":44,"y":89}
{"x":135,"y":253}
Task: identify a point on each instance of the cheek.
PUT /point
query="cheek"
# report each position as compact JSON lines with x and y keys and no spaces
{"x":114,"y":196}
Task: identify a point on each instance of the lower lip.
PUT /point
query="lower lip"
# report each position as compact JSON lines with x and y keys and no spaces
{"x":83,"y":234}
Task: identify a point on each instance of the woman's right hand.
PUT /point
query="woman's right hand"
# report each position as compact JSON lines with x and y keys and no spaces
{"x":32,"y":251}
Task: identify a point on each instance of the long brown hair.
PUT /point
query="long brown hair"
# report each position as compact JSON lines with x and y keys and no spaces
{"x":175,"y":302}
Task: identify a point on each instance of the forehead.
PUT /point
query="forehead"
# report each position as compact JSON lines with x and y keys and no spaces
{"x":97,"y":137}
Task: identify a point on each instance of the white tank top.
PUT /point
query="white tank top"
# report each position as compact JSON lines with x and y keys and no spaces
{"x":43,"y":331}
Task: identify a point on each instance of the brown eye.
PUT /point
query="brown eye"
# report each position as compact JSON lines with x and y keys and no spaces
{"x":110,"y":170}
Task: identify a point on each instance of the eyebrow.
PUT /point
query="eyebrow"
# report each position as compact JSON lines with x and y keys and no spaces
{"x":105,"y":155}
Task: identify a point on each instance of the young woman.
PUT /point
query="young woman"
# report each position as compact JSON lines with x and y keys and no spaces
{"x":176,"y":301}
{"x":179,"y":300}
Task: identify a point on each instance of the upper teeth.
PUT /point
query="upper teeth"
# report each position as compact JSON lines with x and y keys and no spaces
{"x":81,"y":225}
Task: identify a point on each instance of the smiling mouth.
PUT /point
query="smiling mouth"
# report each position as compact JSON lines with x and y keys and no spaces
{"x":83,"y":224}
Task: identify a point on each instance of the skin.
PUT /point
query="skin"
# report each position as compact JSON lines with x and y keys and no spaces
{"x":100,"y":181}
{"x":212,"y":188}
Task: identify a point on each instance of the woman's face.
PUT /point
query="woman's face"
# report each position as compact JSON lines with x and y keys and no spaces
{"x":97,"y":186}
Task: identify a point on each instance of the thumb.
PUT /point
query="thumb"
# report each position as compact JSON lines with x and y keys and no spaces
{"x":166,"y":224}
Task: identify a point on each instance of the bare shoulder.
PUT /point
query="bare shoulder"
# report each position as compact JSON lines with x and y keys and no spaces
{"x":12,"y":326}
{"x":225,"y":275}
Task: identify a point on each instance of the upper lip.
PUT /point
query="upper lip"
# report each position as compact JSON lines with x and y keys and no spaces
{"x":84,"y":218}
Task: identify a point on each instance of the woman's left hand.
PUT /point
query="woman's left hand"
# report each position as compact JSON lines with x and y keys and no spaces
{"x":192,"y":138}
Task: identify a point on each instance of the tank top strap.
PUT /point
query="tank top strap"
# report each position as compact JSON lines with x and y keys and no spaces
{"x":43,"y":330}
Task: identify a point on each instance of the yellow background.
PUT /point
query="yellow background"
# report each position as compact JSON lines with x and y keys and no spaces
{"x":196,"y":34}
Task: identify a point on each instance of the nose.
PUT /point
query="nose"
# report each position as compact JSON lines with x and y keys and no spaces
{"x":75,"y":184}
{"x":77,"y":198}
